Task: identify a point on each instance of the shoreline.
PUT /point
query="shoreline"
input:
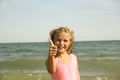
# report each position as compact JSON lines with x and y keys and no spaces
{"x":19,"y":75}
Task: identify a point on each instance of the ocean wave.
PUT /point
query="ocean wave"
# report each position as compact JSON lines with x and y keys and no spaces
{"x":23,"y":64}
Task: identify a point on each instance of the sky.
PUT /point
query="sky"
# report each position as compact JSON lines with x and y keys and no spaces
{"x":32,"y":20}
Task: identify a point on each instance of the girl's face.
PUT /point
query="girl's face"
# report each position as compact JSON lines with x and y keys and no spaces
{"x":62,"y":41}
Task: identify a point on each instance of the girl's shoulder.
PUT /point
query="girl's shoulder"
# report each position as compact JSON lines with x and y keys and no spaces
{"x":73,"y":58}
{"x":73,"y":55}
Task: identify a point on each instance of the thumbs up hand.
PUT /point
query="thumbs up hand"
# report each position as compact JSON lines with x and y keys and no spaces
{"x":52,"y":49}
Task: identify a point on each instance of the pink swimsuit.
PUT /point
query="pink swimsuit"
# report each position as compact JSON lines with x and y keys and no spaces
{"x":68,"y":71}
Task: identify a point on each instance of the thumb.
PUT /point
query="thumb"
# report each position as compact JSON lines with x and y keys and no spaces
{"x":51,"y":42}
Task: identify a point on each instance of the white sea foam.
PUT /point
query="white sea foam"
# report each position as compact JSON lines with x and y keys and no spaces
{"x":102,"y":78}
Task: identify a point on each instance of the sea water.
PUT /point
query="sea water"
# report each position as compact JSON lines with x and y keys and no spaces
{"x":95,"y":58}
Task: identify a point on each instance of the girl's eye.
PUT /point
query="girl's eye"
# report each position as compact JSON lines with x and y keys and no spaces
{"x":58,"y":40}
{"x":65,"y":40}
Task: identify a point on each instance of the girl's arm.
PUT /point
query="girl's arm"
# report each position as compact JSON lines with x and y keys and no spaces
{"x":78,"y":74}
{"x":50,"y":62}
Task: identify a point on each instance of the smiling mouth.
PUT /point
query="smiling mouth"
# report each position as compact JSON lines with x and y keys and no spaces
{"x":61,"y":47}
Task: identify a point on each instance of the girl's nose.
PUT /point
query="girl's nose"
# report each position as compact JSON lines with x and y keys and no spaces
{"x":61,"y":42}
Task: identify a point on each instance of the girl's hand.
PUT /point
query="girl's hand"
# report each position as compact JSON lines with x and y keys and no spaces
{"x":52,"y":49}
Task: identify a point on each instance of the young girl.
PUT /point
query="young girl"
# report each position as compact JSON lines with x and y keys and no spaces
{"x":62,"y":63}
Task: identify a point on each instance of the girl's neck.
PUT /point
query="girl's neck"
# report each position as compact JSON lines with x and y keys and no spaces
{"x":65,"y":58}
